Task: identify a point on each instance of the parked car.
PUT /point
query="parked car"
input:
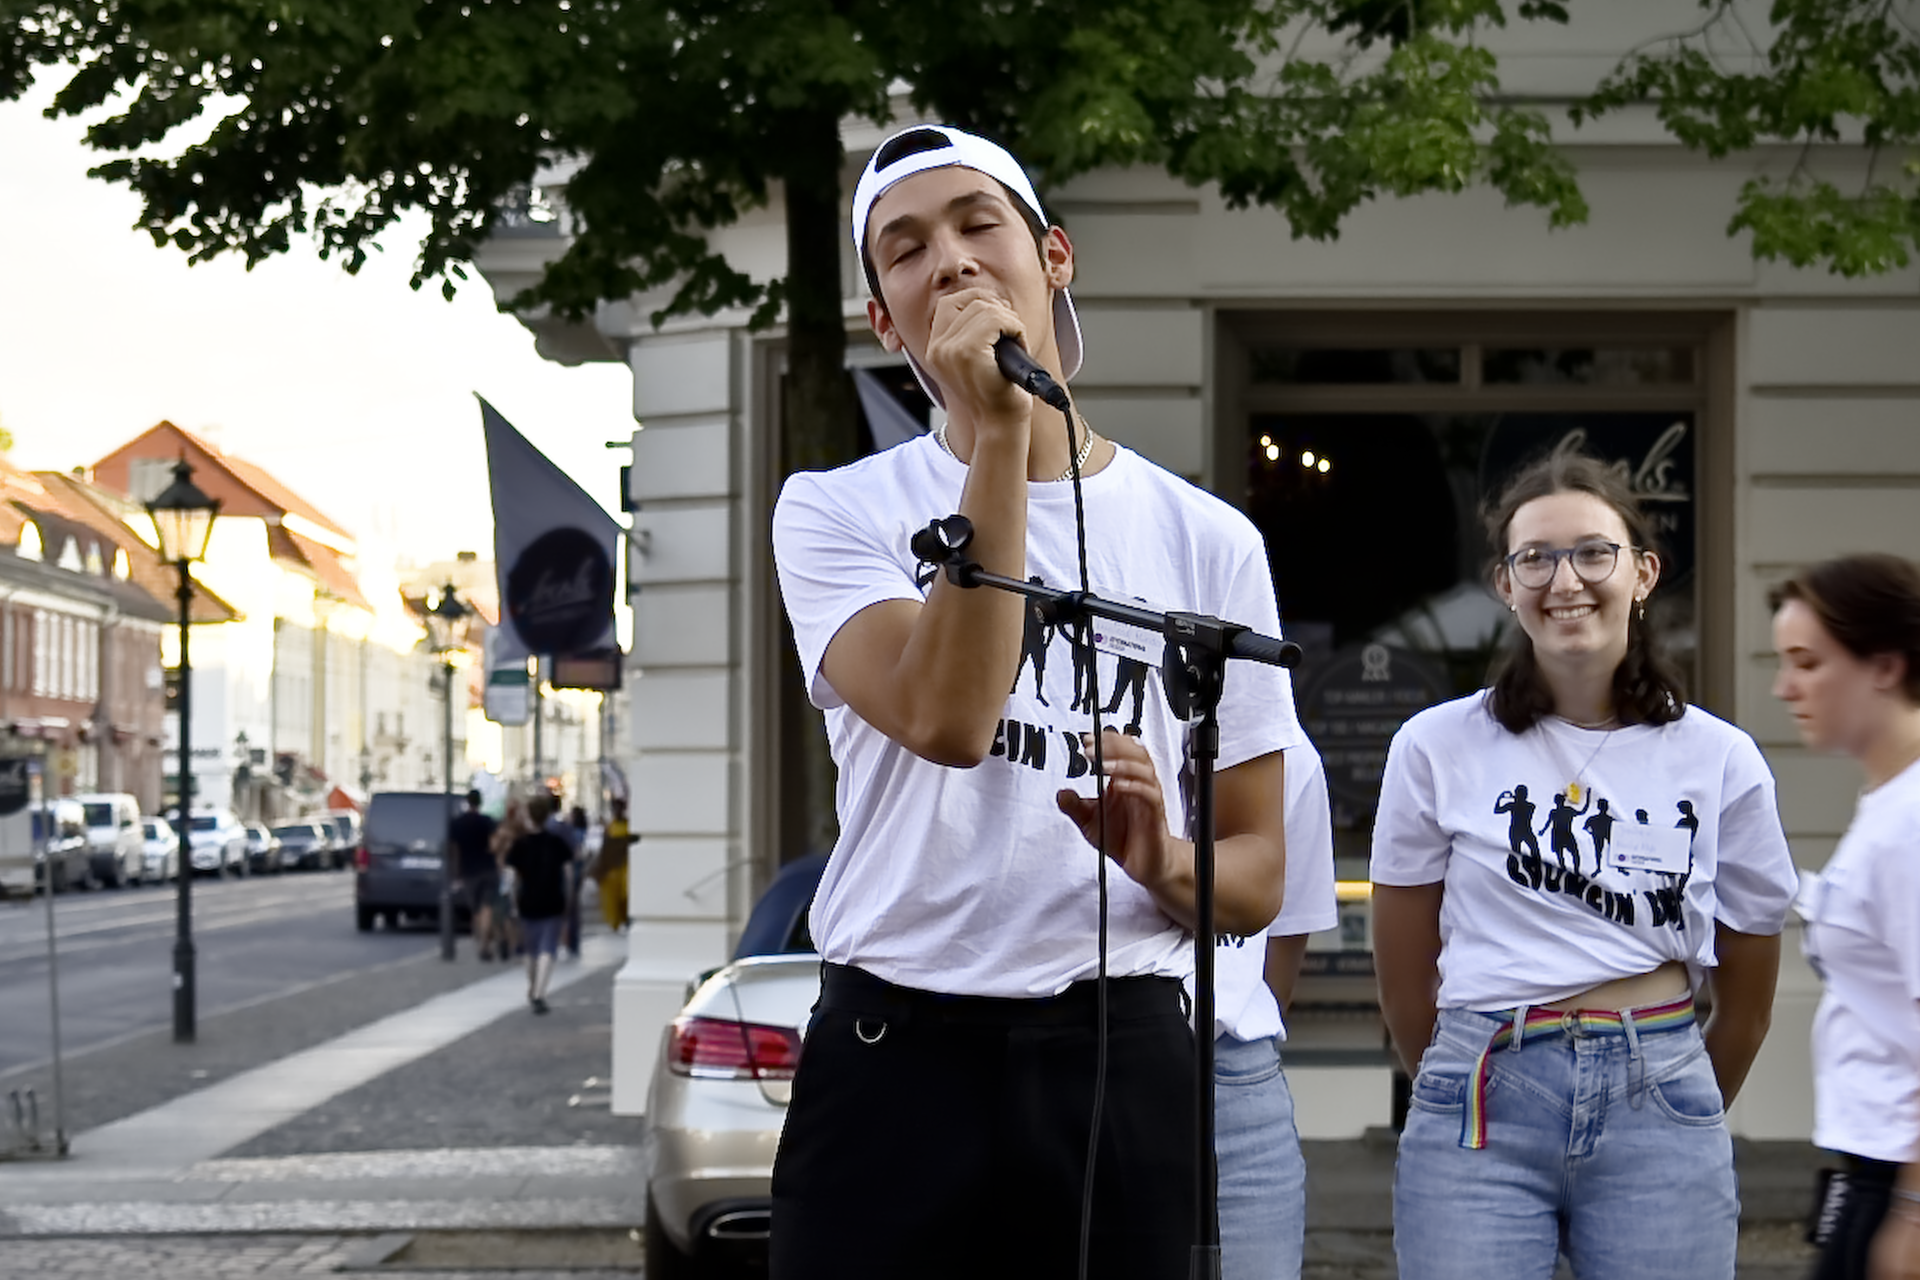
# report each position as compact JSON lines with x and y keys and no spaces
{"x":264,"y":853}
{"x":398,"y":868}
{"x":18,"y":872}
{"x":345,"y":827}
{"x":305,"y":845}
{"x":63,"y":826}
{"x":160,"y":850}
{"x":116,"y":851}
{"x":219,"y":843}
{"x":720,"y":1091}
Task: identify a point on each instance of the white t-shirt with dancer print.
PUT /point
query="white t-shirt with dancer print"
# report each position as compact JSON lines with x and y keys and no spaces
{"x":971,"y":881}
{"x":1244,"y":1006}
{"x":1573,"y":856}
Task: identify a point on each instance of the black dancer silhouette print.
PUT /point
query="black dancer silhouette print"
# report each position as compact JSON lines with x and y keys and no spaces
{"x":1035,"y":636}
{"x":1599,"y":829}
{"x":1085,"y":656}
{"x":1520,"y":825}
{"x":1560,"y":818}
{"x":1129,"y":676}
{"x":1690,"y":823}
{"x":1688,"y":819}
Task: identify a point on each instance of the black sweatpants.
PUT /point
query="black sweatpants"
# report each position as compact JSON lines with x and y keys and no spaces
{"x":934,"y":1136}
{"x":1854,"y":1211}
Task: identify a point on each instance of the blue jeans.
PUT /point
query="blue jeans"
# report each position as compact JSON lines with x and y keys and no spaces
{"x":1612,"y":1149}
{"x":541,"y":934}
{"x":1263,"y":1178}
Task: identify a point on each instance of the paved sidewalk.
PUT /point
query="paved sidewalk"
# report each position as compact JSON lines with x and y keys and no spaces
{"x":158,"y":1170}
{"x":449,"y":1130}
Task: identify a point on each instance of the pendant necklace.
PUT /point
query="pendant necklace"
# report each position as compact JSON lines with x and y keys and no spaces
{"x":1573,"y":790}
{"x":1079,"y":460}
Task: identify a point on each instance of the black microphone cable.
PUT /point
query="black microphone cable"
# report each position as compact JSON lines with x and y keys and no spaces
{"x":1024,"y":372}
{"x":1100,"y":843}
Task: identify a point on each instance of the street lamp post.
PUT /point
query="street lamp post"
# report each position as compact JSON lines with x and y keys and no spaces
{"x":182,"y":524}
{"x":446,"y":623}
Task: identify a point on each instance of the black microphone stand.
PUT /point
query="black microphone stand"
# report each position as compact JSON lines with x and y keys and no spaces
{"x":1193,"y":673}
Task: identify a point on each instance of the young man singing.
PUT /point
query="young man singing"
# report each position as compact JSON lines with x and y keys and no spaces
{"x":942,"y":1112}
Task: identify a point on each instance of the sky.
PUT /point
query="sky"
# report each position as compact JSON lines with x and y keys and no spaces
{"x":354,"y":390}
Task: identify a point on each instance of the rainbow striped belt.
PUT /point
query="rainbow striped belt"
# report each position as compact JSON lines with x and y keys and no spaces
{"x":1526,"y":1022}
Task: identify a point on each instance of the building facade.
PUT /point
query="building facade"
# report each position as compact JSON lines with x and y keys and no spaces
{"x":1357,"y":398}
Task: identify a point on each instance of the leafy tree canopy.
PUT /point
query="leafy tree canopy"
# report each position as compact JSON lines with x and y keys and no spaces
{"x":330,"y":119}
{"x":1822,"y":71}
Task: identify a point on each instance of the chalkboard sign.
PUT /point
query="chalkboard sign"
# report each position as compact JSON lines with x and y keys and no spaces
{"x":1354,"y":704}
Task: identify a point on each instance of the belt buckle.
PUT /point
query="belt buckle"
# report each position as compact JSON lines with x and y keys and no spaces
{"x":1571,"y":1025}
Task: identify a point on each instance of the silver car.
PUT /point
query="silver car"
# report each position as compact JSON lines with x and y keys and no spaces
{"x":160,"y":848}
{"x":720,"y":1091}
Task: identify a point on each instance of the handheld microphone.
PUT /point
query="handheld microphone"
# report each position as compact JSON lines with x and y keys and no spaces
{"x":1019,"y":368}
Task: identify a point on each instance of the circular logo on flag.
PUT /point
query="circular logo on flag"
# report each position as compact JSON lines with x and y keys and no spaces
{"x":560,"y":592}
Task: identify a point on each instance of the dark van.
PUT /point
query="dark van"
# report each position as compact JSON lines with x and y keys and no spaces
{"x":398,"y":867}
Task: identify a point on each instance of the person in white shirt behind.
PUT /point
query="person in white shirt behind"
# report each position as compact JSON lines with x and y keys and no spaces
{"x":1262,"y":1174}
{"x":1848,"y":637}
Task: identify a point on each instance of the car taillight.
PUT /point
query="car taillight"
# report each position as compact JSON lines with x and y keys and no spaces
{"x":713,"y":1048}
{"x":362,"y":859}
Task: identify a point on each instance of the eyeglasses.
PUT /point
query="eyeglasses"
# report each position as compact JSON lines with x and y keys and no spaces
{"x":1593,"y":561}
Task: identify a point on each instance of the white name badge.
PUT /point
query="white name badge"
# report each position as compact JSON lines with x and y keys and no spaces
{"x":1633,"y":847}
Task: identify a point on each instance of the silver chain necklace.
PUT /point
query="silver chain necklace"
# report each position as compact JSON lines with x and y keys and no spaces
{"x":1079,"y":459}
{"x":1573,"y":789}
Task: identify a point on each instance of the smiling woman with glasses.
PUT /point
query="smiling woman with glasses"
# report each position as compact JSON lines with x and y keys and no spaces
{"x":1848,"y":637}
{"x":1558,"y":862}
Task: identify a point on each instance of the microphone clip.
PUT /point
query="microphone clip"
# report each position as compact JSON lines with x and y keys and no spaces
{"x":942,"y":546}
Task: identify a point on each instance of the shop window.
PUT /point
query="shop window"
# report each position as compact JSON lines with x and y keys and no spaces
{"x":1354,"y":366}
{"x":1588,"y":366}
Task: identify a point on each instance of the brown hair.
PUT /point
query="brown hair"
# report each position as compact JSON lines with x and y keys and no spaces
{"x":1869,"y":603}
{"x":1647,"y":688}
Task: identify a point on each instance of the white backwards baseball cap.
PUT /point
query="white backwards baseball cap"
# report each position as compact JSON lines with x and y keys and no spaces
{"x":967,"y":151}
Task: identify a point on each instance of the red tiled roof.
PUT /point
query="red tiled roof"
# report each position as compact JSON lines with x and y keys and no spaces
{"x":73,"y":500}
{"x":166,"y":440}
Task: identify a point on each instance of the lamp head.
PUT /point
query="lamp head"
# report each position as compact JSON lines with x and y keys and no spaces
{"x":182,"y":517}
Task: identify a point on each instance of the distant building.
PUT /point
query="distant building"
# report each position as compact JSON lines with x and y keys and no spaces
{"x":84,"y":604}
{"x":317,"y":694}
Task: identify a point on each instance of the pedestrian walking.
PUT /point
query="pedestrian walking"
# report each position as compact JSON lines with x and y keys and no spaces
{"x":479,"y":888}
{"x":539,"y":860}
{"x":575,"y":835}
{"x":514,"y":825}
{"x":609,"y":869}
{"x":1563,"y":1096}
{"x":1848,"y":637}
{"x":959,"y":915}
{"x":1262,"y":1174}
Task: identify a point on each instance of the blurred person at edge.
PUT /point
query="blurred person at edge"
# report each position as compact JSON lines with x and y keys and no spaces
{"x":512,"y":826}
{"x":472,"y":834}
{"x":540,"y":859}
{"x":1262,"y":1174}
{"x":576,"y":837}
{"x":957,"y":917}
{"x":1563,"y":1095}
{"x":1847,"y":633}
{"x":609,"y":869}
